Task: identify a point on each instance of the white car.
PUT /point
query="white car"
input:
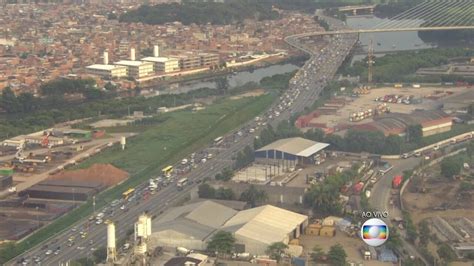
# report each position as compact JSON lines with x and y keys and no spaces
{"x":48,"y":252}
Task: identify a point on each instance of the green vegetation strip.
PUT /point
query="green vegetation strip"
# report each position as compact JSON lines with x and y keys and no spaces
{"x":145,"y":155}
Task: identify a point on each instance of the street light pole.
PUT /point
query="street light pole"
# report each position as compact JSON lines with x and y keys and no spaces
{"x":93,"y":203}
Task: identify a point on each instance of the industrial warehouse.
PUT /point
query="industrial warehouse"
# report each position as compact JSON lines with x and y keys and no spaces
{"x":192,"y":226}
{"x":291,"y":150}
{"x":432,"y":122}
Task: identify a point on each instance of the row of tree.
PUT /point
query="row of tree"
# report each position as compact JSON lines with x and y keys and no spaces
{"x":222,"y":243}
{"x":228,"y":12}
{"x":401,"y":66}
{"x":323,"y":197}
{"x":252,"y":195}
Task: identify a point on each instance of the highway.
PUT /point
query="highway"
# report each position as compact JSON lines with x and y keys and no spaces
{"x":304,"y":89}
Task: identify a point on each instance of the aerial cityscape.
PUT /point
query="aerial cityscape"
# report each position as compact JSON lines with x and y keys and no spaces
{"x":237,"y":132}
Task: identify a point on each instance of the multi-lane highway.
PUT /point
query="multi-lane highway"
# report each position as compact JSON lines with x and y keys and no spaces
{"x":304,"y":89}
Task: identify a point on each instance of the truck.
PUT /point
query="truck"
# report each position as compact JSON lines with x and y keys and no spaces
{"x":397,"y":181}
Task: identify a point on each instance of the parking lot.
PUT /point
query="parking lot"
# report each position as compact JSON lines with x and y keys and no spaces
{"x":431,"y":98}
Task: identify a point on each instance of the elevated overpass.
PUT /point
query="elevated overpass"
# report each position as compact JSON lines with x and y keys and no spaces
{"x":354,"y":9}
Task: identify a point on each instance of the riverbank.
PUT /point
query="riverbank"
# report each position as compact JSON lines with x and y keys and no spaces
{"x":214,"y":74}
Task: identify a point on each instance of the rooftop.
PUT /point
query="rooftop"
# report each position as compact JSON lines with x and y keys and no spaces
{"x":296,"y":146}
{"x":158,"y":59}
{"x":103,"y":67}
{"x":131,"y":63}
{"x":267,"y":224}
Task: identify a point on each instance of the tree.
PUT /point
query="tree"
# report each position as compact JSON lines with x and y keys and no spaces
{"x":222,"y":242}
{"x":414,"y":133}
{"x":225,"y":194}
{"x":337,"y":255}
{"x":450,"y":167}
{"x":253,"y":196}
{"x":9,"y":102}
{"x":425,"y":232}
{"x":276,"y":250}
{"x":222,"y":85}
{"x":446,"y":253}
{"x":317,"y":253}
{"x":205,"y":191}
{"x":100,"y":254}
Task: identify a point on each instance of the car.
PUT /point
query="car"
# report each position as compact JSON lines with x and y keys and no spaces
{"x":80,"y":248}
{"x":115,"y":203}
{"x":99,"y":221}
{"x":48,"y":252}
{"x":70,"y":243}
{"x":91,"y":242}
{"x":417,"y":154}
{"x":56,"y":252}
{"x":436,"y":147}
{"x":74,"y":229}
{"x":93,"y":249}
{"x":122,"y":207}
{"x":84,"y":235}
{"x":71,"y":238}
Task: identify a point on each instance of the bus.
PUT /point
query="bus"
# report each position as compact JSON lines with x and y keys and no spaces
{"x":182,"y":182}
{"x":127,"y":194}
{"x":167,"y":171}
{"x":218,"y":140}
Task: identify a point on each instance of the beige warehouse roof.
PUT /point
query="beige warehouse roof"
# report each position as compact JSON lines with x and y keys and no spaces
{"x":296,"y":146}
{"x":267,"y":224}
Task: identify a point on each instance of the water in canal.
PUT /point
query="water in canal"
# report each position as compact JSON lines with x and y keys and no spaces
{"x":235,"y":80}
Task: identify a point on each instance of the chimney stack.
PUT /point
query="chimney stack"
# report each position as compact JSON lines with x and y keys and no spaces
{"x":156,"y":51}
{"x":132,"y":54}
{"x":106,"y":58}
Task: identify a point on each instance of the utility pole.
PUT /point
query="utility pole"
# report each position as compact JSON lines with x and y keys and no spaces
{"x":93,"y":203}
{"x":370,"y":62}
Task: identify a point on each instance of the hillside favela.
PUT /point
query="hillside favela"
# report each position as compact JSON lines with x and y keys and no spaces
{"x":237,"y":132}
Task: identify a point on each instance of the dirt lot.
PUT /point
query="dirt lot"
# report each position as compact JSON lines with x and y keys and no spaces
{"x":440,"y":192}
{"x":366,"y":101}
{"x":253,"y":93}
{"x":351,"y":246}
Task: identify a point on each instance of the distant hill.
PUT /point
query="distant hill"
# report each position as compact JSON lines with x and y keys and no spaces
{"x":229,"y":12}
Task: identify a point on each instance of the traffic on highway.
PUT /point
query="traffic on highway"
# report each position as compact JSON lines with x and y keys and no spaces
{"x":160,"y":192}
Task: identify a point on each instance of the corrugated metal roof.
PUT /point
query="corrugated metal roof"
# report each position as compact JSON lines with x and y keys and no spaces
{"x":296,"y":146}
{"x":265,"y":224}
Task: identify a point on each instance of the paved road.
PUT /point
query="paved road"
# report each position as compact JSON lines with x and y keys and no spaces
{"x":304,"y":89}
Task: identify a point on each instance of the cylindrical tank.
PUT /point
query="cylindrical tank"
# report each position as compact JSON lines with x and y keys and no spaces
{"x":142,"y":226}
{"x":110,"y":235}
{"x":148,"y":226}
{"x":106,"y":58}
{"x":123,"y":141}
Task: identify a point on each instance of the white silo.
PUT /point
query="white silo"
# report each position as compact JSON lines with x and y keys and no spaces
{"x":156,"y":51}
{"x":148,"y":226}
{"x":123,"y":141}
{"x":106,"y":58}
{"x":132,"y":54}
{"x":111,"y":251}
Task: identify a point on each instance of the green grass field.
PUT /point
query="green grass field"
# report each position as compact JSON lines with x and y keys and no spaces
{"x":146,"y":154}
